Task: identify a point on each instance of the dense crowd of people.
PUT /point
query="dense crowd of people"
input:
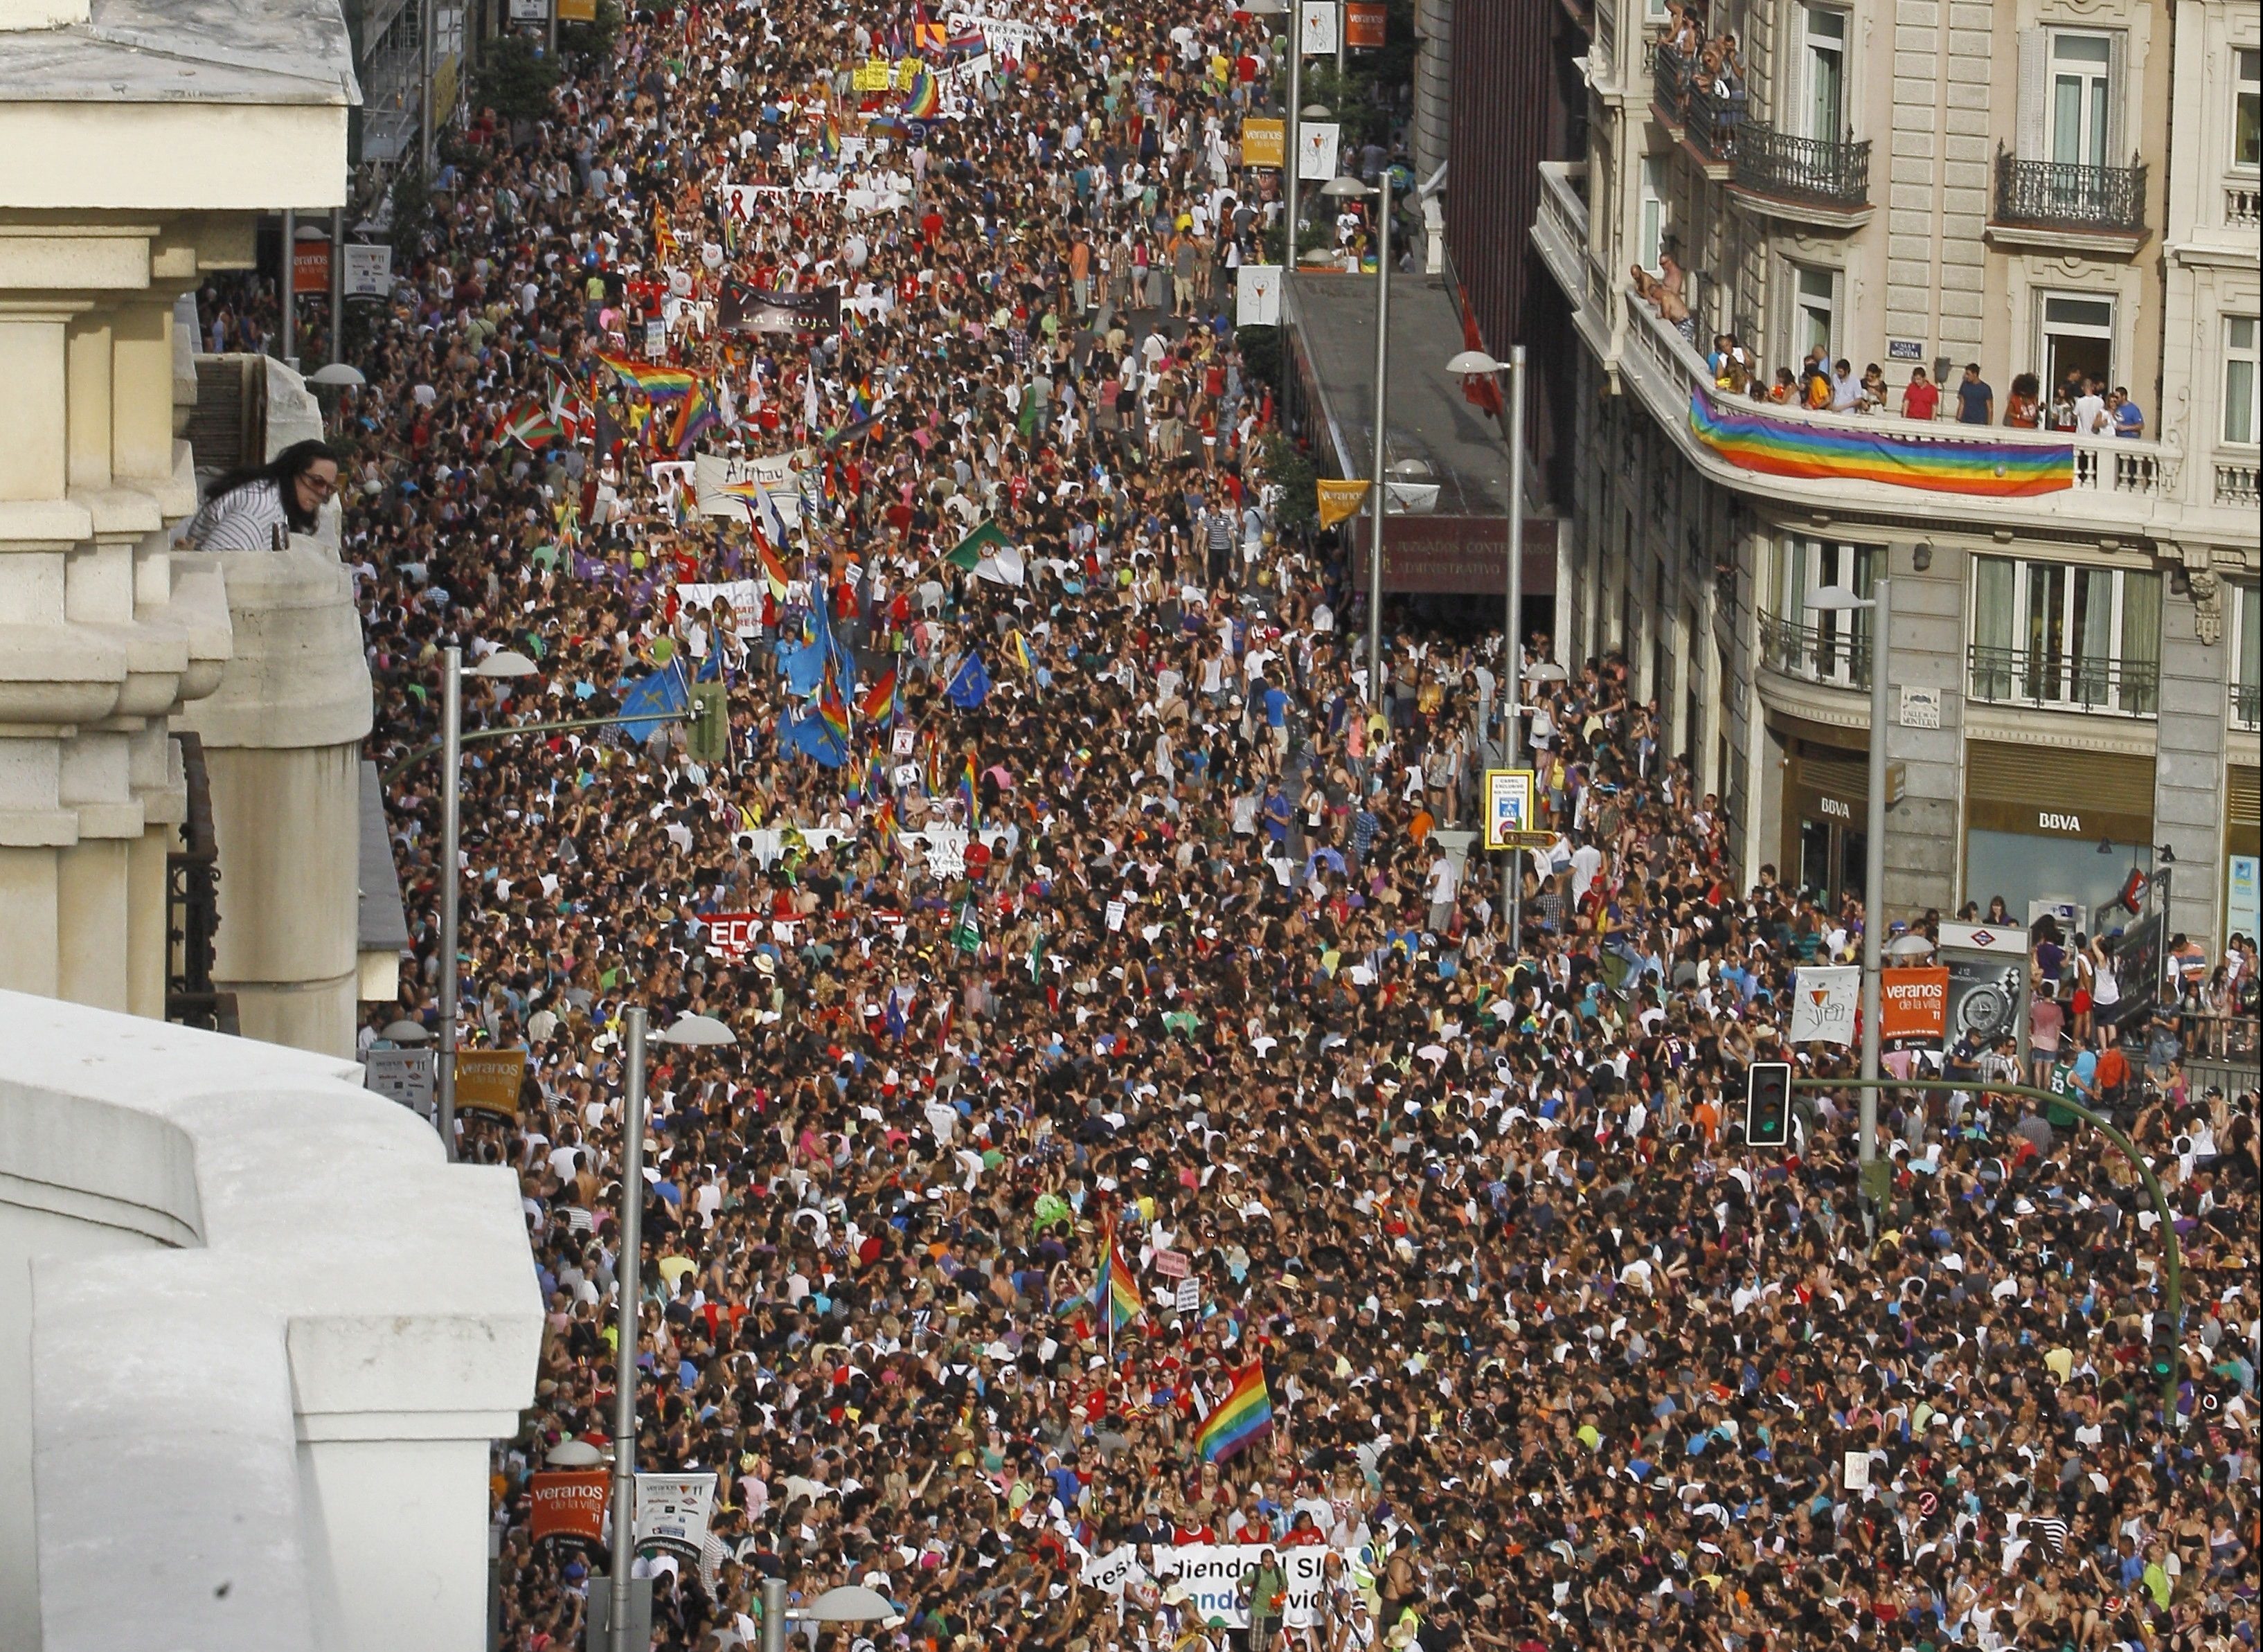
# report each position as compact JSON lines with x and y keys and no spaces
{"x":1555,"y":1360}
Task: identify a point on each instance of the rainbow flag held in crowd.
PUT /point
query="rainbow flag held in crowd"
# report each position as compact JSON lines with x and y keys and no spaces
{"x":697,"y":417}
{"x":1245,"y":1412}
{"x":828,"y":138}
{"x":923,"y":95}
{"x":1777,"y":446}
{"x":1115,"y":1291}
{"x":970,"y":793}
{"x":656,"y":382}
{"x":877,"y":702}
{"x":833,"y":705}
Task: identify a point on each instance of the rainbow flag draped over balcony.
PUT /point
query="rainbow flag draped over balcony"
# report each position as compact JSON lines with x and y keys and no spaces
{"x":1777,"y":446}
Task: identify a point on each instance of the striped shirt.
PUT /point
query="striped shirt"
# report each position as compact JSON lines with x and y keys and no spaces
{"x":246,"y":518}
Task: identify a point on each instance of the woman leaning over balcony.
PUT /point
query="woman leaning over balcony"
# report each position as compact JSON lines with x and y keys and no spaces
{"x":2023,"y":407}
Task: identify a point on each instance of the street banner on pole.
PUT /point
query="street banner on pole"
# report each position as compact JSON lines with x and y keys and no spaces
{"x":488,"y":1080}
{"x":1316,"y":150}
{"x":1338,"y":501}
{"x":1316,"y":32}
{"x":1914,"y":1008}
{"x":568,"y":1508}
{"x":1262,"y":141}
{"x":1257,"y":295}
{"x":402,"y":1075}
{"x":1824,"y":1001}
{"x":672,"y":1512}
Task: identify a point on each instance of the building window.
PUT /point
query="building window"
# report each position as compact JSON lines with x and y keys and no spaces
{"x":1820,"y":644}
{"x":2241,"y":414}
{"x":1815,"y":313}
{"x":2078,"y":340}
{"x":2081,"y":106}
{"x":1823,"y":99}
{"x":1655,"y":223}
{"x":2247,"y":108}
{"x":2066,"y":636}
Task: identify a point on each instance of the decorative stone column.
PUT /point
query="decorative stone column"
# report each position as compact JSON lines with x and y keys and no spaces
{"x":282,"y":738}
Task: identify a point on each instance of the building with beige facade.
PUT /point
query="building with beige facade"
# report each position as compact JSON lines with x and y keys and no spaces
{"x":164,"y":717}
{"x":2050,"y":187}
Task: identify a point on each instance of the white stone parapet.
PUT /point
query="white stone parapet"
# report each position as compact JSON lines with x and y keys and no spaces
{"x":256,"y":1339}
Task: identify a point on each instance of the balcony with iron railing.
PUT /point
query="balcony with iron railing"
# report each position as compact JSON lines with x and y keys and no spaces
{"x":1702,"y":109}
{"x":2111,"y":482}
{"x":2055,"y":681}
{"x":2247,"y":706}
{"x":1804,"y":180}
{"x":1834,"y":656}
{"x":192,"y":906}
{"x":2059,"y":205}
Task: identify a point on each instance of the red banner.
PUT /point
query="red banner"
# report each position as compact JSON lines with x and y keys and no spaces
{"x":1914,"y":1008}
{"x":569,"y":1508}
{"x":733,"y":935}
{"x":1364,"y":25}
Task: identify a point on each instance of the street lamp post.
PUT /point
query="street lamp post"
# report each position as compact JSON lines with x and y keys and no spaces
{"x":691,"y":1030}
{"x":1511,"y":651}
{"x":502,"y":663}
{"x":1879,"y":604}
{"x":1294,"y":36}
{"x":1378,"y":495}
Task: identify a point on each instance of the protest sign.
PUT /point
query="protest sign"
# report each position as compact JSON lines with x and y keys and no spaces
{"x":1186,"y":1298}
{"x":1212,"y":1574}
{"x":488,"y":1080}
{"x":1171,"y":1264}
{"x":568,"y":1508}
{"x":1823,"y":1004}
{"x":946,"y":852}
{"x":745,"y":597}
{"x":672,"y":1512}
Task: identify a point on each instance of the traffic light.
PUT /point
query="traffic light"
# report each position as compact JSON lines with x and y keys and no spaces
{"x":1768,"y":1104}
{"x":2167,"y":1358}
{"x":709,"y":739}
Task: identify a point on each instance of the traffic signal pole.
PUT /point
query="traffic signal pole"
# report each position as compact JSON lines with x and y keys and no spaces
{"x":2171,"y":1256}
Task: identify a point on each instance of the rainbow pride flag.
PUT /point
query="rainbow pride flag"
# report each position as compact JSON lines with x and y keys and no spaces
{"x":1245,"y":1412}
{"x":1774,"y":446}
{"x":923,"y":96}
{"x":970,"y":793}
{"x":1115,"y":1291}
{"x":833,"y":705}
{"x":656,"y":382}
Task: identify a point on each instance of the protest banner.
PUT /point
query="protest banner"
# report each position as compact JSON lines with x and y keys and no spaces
{"x":731,"y":935}
{"x":568,"y":1508}
{"x":752,"y":309}
{"x":946,"y":852}
{"x":487,"y":1081}
{"x":714,"y":474}
{"x":672,"y":1512}
{"x":745,"y":597}
{"x":1212,"y":1574}
{"x":1824,"y":1001}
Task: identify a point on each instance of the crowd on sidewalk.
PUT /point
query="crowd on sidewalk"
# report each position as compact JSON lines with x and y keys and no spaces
{"x":1554,"y":1360}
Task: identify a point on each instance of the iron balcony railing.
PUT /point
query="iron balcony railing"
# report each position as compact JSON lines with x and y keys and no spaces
{"x":2054,"y":195}
{"x":2247,"y":705}
{"x":192,"y":908}
{"x":1788,"y":168}
{"x":1711,"y":114}
{"x":2058,"y":680}
{"x":1837,"y":657}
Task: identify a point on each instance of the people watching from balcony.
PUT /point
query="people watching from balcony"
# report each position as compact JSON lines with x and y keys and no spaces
{"x":1665,"y":297}
{"x":256,"y":509}
{"x":2129,"y":417}
{"x":1846,"y":389}
{"x":1976,"y":398}
{"x":2023,"y":409}
{"x":2090,"y":415}
{"x":1921,"y":397}
{"x":1872,"y":398}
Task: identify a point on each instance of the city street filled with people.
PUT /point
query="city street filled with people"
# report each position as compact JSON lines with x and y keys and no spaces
{"x":1143,"y":1129}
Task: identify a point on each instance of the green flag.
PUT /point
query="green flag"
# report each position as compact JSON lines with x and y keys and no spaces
{"x":968,"y":551}
{"x":967,"y":937}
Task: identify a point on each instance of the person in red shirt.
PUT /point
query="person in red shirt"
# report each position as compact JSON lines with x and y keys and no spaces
{"x":1921,"y":397}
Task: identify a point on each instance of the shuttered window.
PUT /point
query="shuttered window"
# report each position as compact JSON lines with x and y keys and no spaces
{"x":2006,"y":786}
